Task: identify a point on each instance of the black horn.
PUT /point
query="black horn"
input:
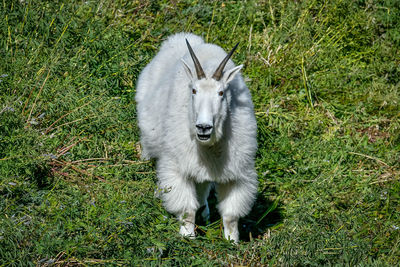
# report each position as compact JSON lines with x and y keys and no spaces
{"x":199,"y":69}
{"x":220,"y":70}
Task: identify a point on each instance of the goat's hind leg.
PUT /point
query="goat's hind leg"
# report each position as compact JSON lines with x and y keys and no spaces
{"x":203,"y":190}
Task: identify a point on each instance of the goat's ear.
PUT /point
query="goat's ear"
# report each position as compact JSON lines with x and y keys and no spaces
{"x":187,"y":70}
{"x":230,"y":74}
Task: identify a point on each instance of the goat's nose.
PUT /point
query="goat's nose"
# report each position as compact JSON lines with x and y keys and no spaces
{"x":203,"y":127}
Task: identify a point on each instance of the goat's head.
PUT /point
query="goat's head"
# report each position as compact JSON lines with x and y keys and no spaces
{"x":210,"y":98}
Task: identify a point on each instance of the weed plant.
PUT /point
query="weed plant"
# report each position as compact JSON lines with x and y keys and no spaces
{"x":324,"y":76}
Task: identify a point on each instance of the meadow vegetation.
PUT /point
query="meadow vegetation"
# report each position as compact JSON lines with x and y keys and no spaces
{"x":324,"y":76}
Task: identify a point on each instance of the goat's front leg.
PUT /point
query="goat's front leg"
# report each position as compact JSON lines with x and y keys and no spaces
{"x":231,"y":230}
{"x":235,"y":201}
{"x":187,"y":220}
{"x":179,"y":197}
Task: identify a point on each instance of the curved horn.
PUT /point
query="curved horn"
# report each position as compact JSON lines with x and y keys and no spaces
{"x":199,"y":69}
{"x":219,"y":72}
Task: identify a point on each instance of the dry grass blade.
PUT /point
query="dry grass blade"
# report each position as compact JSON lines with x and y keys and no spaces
{"x":90,"y":160}
{"x":388,"y":176}
{"x":36,"y":98}
{"x":66,"y":114}
{"x":66,"y":164}
{"x":65,"y":149}
{"x":370,"y":157}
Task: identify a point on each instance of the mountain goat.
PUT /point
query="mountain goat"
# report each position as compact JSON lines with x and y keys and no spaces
{"x":197,"y":121}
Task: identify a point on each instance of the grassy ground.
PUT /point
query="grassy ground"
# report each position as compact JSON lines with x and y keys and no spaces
{"x":324,"y":76}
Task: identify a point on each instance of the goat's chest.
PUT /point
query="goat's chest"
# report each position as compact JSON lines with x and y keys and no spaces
{"x":210,"y":165}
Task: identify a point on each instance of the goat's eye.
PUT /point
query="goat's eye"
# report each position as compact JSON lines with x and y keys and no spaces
{"x":194,"y":91}
{"x":220,"y":93}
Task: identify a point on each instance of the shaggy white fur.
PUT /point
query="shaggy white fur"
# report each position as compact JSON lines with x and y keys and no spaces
{"x":201,"y":131}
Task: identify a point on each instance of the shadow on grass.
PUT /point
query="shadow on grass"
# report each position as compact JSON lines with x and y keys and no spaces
{"x":264,"y":214}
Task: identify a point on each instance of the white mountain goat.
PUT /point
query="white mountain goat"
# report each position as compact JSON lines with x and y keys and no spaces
{"x":197,"y":121}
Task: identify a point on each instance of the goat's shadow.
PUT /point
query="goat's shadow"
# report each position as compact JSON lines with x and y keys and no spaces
{"x":265,"y":214}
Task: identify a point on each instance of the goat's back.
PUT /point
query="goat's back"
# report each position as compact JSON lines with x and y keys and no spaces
{"x":153,"y":89}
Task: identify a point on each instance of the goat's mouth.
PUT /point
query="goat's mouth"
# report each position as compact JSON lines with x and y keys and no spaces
{"x":203,"y":137}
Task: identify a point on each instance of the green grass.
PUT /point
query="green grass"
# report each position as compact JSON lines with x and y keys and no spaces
{"x":324,"y":77}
